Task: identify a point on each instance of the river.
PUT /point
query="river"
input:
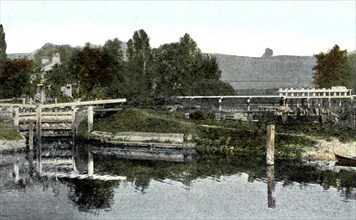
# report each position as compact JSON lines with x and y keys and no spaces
{"x":213,"y":188}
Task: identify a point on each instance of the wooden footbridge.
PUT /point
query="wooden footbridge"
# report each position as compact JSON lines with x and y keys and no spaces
{"x":53,"y":120}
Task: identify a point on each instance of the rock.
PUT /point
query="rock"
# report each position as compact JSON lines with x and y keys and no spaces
{"x":268,"y":53}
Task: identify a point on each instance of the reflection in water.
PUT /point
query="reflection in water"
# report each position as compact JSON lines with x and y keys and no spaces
{"x":89,"y":195}
{"x":271,"y":187}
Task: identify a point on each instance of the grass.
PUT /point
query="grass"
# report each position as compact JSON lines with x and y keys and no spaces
{"x":143,"y":120}
{"x":224,"y":139}
{"x":8,"y":132}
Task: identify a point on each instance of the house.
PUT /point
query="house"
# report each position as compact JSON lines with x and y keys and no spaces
{"x":47,"y":65}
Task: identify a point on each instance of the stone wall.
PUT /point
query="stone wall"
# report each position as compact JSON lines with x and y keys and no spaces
{"x":6,"y":145}
{"x":145,"y":137}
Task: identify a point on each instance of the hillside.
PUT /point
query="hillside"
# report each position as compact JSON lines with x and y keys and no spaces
{"x":243,"y":73}
{"x":266,"y":73}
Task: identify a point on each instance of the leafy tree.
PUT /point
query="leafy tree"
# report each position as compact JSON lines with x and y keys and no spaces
{"x":348,"y":71}
{"x":94,"y":69}
{"x":58,"y":77}
{"x":181,"y":69}
{"x":330,"y":68}
{"x":119,"y":84}
{"x":3,"y":56}
{"x":138,"y":62}
{"x":15,"y":80}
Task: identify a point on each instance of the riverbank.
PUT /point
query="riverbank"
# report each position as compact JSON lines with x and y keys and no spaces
{"x":235,"y":139}
{"x":325,"y":149}
{"x":10,"y":138}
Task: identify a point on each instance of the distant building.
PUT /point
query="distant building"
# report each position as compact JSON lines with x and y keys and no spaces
{"x":48,"y":65}
{"x":333,"y":92}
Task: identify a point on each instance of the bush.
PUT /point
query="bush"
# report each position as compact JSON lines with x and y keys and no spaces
{"x":197,"y":115}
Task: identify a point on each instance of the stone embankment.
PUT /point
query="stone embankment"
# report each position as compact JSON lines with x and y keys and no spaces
{"x":144,"y":137}
{"x":7,"y":145}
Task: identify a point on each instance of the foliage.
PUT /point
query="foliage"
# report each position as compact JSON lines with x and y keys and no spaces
{"x":16,"y":78}
{"x":3,"y":56}
{"x":197,"y":115}
{"x":139,"y":55}
{"x":181,"y":69}
{"x":141,"y":74}
{"x":331,"y":68}
{"x":94,"y":69}
{"x":58,"y":77}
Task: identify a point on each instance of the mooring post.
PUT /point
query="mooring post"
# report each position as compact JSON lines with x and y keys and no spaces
{"x":38,"y":121}
{"x":90,"y":118}
{"x":220,"y":102}
{"x":16,"y":117}
{"x":39,"y":139}
{"x":30,"y":136}
{"x":270,"y":144}
{"x":90,"y":163}
{"x":15,"y":171}
{"x":271,"y":194}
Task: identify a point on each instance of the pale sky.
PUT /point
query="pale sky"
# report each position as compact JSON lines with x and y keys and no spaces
{"x":244,"y":28}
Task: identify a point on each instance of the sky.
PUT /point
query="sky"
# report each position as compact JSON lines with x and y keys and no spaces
{"x":244,"y":28}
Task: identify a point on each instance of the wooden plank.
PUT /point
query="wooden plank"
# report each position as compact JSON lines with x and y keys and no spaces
{"x":83,"y":176}
{"x":96,"y":102}
{"x":17,"y":105}
{"x":107,"y":109}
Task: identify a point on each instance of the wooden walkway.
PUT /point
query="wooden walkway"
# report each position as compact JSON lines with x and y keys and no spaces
{"x":53,"y":120}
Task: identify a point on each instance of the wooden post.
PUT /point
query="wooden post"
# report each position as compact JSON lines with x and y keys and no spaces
{"x":90,"y":118}
{"x":39,"y":139}
{"x":90,"y":163}
{"x":15,"y":171}
{"x":16,"y":117}
{"x":30,"y":136}
{"x":38,"y":122}
{"x":30,"y":162}
{"x":271,"y":194}
{"x":270,"y":144}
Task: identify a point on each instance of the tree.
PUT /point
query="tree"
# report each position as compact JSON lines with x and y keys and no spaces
{"x":94,"y":69}
{"x":3,"y":56}
{"x":16,"y":78}
{"x":329,"y":68}
{"x":181,"y":69}
{"x":119,"y":84}
{"x":138,"y":60}
{"x":58,"y":77}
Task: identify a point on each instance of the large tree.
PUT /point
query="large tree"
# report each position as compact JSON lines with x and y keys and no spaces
{"x":3,"y":56}
{"x":330,"y":68}
{"x":181,"y":69}
{"x":16,"y":78}
{"x":119,"y":86}
{"x":138,"y":60}
{"x":94,"y":70}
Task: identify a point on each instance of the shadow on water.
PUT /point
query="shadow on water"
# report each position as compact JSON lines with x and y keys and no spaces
{"x":90,"y":194}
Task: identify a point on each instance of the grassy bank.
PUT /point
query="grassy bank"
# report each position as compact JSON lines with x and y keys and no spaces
{"x":8,"y":132}
{"x":223,"y":139}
